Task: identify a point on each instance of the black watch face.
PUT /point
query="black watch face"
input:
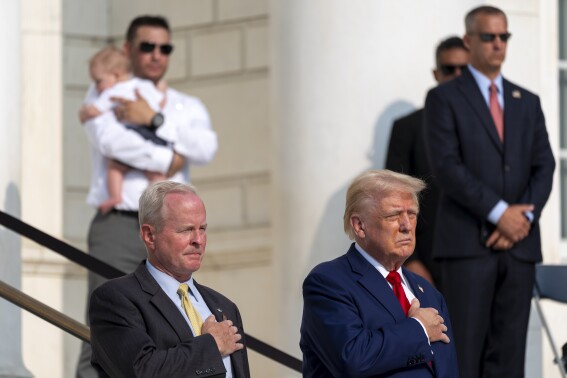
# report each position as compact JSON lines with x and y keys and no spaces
{"x":157,"y":121}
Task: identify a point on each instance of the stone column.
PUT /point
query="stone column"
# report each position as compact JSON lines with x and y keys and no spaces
{"x":342,"y":71}
{"x":11,"y":364}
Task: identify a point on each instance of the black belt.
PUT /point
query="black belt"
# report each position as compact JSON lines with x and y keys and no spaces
{"x":126,"y":213}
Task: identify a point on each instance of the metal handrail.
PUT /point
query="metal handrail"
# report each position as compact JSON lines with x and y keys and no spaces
{"x":97,"y":266}
{"x":45,"y":312}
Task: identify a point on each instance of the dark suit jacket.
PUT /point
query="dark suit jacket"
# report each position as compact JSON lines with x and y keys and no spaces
{"x":137,"y":331}
{"x":475,"y":170}
{"x":407,"y":154}
{"x":354,"y":326}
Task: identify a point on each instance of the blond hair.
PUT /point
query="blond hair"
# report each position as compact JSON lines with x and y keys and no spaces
{"x":369,"y":187}
{"x":112,"y":60}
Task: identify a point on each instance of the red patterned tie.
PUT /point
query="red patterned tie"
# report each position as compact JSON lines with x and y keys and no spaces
{"x":396,"y":281}
{"x":496,"y":111}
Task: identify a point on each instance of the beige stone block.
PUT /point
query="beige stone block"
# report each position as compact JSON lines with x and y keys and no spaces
{"x":178,"y":61}
{"x":230,"y":9}
{"x":76,"y":63}
{"x":86,"y":17}
{"x":240,"y":115}
{"x":258,"y":201}
{"x":76,"y":148}
{"x":238,"y":247}
{"x":257,"y":46}
{"x":40,"y":16}
{"x":180,"y":13}
{"x":216,"y":52}
{"x":224,"y":206}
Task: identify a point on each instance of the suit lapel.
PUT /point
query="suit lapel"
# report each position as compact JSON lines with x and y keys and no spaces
{"x":219,"y":313}
{"x":469,"y":88}
{"x":212,"y":303}
{"x":374,"y":283}
{"x":162,"y":303}
{"x":512,"y":115}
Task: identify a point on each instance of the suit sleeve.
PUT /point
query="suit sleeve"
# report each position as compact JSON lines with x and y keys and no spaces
{"x":398,"y":158}
{"x":124,"y":349}
{"x":543,"y":165}
{"x":334,"y":330}
{"x":443,"y":148}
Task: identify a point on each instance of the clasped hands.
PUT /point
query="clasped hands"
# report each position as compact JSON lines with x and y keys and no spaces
{"x":225,"y":334}
{"x":512,"y":227}
{"x":433,"y":322}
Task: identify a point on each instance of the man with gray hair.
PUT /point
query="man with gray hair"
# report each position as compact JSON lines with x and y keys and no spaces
{"x":158,"y":321}
{"x":364,"y":314}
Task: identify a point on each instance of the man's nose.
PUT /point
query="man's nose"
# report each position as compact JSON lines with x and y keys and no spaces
{"x":405,"y":222}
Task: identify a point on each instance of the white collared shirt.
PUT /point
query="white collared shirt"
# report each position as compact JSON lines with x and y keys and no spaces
{"x":170,"y":285}
{"x":187,"y":129}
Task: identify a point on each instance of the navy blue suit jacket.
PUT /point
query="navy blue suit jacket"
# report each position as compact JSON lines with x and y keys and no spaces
{"x":475,"y":170}
{"x":354,"y":326}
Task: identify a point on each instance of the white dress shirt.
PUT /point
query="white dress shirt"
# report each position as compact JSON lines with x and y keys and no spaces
{"x":187,"y":129}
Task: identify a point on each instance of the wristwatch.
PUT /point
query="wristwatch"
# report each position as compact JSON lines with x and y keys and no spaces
{"x":157,"y":120}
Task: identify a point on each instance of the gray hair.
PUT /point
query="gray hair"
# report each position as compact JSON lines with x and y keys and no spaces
{"x":151,"y":201}
{"x":371,"y":186}
{"x":483,"y":9}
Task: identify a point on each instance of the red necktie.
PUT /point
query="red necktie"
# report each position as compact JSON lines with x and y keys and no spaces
{"x":496,"y":111}
{"x":396,"y":281}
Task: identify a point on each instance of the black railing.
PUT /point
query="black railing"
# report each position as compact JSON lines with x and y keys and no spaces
{"x":103,"y":269}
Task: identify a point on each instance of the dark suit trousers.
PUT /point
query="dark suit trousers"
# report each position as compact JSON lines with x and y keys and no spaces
{"x":114,"y":239}
{"x":489,"y":303}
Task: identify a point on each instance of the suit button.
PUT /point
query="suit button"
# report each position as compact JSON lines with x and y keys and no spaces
{"x":507,"y":168}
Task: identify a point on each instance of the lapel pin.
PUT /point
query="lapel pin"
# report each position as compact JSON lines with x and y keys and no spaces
{"x":420,"y":288}
{"x":516,"y":93}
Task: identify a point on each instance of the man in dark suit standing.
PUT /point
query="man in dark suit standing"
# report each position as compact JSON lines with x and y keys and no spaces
{"x":357,"y":317}
{"x":406,"y":154}
{"x":150,"y":323}
{"x":490,"y":153}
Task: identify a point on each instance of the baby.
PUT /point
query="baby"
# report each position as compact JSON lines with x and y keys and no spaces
{"x":111,"y":75}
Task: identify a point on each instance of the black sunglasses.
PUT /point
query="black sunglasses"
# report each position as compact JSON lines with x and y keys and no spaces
{"x":449,"y":69}
{"x":148,"y":47}
{"x":489,"y":37}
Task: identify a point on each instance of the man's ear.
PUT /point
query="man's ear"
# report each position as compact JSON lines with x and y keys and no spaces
{"x":358,"y":226}
{"x":467,"y":41}
{"x":126,"y":48}
{"x":147,"y":233}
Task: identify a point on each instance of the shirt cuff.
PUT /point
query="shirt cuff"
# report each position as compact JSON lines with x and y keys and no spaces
{"x":424,"y":330}
{"x":529,"y":215}
{"x":497,"y":211}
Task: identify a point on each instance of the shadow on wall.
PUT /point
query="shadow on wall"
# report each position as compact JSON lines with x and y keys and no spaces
{"x":10,"y":242}
{"x":330,"y":240}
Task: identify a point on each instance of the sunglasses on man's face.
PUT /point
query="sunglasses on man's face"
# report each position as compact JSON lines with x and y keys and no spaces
{"x":148,"y":47}
{"x":449,"y":69}
{"x":490,"y":37}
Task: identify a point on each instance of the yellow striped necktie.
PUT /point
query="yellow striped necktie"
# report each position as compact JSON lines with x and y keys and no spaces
{"x":192,"y":314}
